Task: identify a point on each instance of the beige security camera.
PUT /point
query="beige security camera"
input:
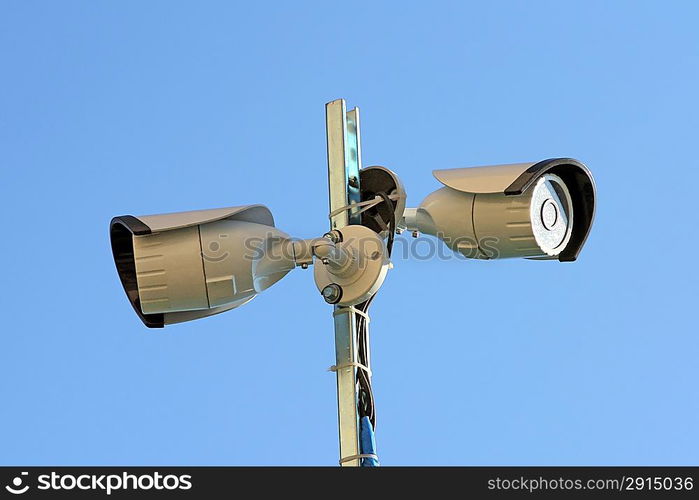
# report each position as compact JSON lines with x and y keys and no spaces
{"x":188,"y":265}
{"x":537,"y":210}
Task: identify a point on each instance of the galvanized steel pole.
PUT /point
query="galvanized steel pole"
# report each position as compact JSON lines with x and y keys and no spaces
{"x":344,"y":163}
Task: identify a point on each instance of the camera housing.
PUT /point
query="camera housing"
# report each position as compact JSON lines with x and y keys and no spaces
{"x":541,"y":210}
{"x":188,"y":265}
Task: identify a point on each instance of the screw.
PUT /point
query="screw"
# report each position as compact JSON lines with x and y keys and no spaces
{"x":416,"y":234}
{"x":399,"y":230}
{"x":334,"y":236}
{"x":304,"y":266}
{"x":332,"y":293}
{"x":325,"y":261}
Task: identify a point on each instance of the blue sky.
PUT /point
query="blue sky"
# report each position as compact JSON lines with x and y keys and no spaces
{"x":137,"y":108}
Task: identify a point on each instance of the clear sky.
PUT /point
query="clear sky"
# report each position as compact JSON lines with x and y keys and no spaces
{"x":147,"y":107}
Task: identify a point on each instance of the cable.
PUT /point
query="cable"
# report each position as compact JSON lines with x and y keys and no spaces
{"x":392,"y":220}
{"x":367,"y":443}
{"x":366,"y":405}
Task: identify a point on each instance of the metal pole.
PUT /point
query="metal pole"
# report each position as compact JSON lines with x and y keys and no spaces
{"x":344,"y":162}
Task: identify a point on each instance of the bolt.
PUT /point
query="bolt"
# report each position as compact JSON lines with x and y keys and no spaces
{"x":416,"y":234}
{"x":399,"y":230}
{"x":332,"y":293}
{"x":325,"y":261}
{"x":334,"y":236}
{"x":304,"y":265}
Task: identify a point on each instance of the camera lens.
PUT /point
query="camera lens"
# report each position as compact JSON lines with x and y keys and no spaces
{"x":551,"y":214}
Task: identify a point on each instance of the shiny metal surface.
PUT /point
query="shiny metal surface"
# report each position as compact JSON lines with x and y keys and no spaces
{"x":343,"y":170}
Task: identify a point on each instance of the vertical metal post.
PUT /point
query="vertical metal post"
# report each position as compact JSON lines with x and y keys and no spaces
{"x":344,"y":162}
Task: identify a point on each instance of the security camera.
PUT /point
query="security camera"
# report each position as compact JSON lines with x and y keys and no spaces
{"x":188,"y":265}
{"x":538,"y":210}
